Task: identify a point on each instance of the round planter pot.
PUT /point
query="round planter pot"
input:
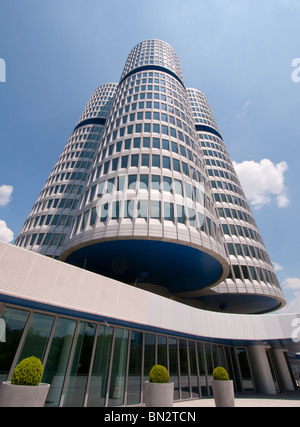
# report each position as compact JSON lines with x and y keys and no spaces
{"x":159,"y":395}
{"x":23,"y":395}
{"x":223,"y":393}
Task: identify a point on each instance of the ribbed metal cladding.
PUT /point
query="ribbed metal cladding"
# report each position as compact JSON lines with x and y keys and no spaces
{"x":147,"y":216}
{"x":48,"y":224}
{"x":252,"y":285}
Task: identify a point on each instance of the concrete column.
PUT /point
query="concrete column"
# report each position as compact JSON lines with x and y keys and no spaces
{"x":261,"y":371}
{"x":282,"y":369}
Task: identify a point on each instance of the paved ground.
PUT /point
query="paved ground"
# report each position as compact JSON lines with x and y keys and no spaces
{"x":286,"y":399}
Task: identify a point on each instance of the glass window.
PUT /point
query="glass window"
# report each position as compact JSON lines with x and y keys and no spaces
{"x":184,"y":371}
{"x":147,"y":127}
{"x":144,"y":182}
{"x":188,"y":190}
{"x":173,"y":366}
{"x":156,"y":143}
{"x":142,"y":209}
{"x":202,"y":373}
{"x":146,"y":142}
{"x":253,"y":273}
{"x":48,"y":219}
{"x":245,"y":272}
{"x":230,"y":249}
{"x":155,"y":182}
{"x":155,"y":160}
{"x":178,"y":187}
{"x":174,"y":147}
{"x":98,"y":382}
{"x":93,"y":216}
{"x":55,"y":369}
{"x":114,"y":165}
{"x":77,"y":379}
{"x":136,"y":142}
{"x":124,"y":162}
{"x":225,"y":229}
{"x":132,"y":182}
{"x":145,"y":160}
{"x":116,"y":210}
{"x":165,"y":144}
{"x":135,"y":160}
{"x":37,"y":336}
{"x":245,"y":369}
{"x":47,"y":239}
{"x":156,"y":128}
{"x":55,"y":239}
{"x":168,"y":211}
{"x":149,"y":353}
{"x":166,"y":162}
{"x":135,"y":368}
{"x":164,"y":130}
{"x":40,"y":238}
{"x":155,"y":209}
{"x":194,"y":370}
{"x":118,"y":368}
{"x":15,"y":321}
{"x":180,"y":214}
{"x":162,"y":358}
{"x":176,"y":165}
{"x":238,"y":249}
{"x":167,"y":184}
{"x":209,"y":363}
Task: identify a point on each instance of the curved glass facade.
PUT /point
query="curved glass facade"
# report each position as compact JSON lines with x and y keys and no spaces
{"x":252,"y":285}
{"x":49,"y":222}
{"x":96,"y":364}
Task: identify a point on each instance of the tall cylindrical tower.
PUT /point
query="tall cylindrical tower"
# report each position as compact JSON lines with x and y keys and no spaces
{"x":252,"y":285}
{"x":145,"y":192}
{"x":48,"y":224}
{"x":147,"y":216}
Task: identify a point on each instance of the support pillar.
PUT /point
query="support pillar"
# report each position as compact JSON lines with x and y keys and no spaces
{"x":261,"y":370}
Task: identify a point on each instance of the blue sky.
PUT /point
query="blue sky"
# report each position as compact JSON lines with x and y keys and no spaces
{"x":238,"y":52}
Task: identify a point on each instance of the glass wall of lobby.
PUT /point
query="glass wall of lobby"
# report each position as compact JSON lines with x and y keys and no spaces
{"x":92,"y":363}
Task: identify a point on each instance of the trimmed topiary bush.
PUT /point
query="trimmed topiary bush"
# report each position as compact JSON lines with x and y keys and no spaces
{"x":159,"y":374}
{"x":28,"y":372}
{"x":220,"y":374}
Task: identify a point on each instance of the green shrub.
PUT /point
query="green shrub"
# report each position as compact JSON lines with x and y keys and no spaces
{"x":220,"y":374}
{"x":28,"y":372}
{"x":159,"y":374}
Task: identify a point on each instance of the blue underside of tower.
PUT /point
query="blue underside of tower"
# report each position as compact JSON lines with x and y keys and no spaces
{"x":174,"y":267}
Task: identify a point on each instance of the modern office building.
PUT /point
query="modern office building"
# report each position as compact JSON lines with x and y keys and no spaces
{"x":251,"y":286}
{"x":140,"y":249}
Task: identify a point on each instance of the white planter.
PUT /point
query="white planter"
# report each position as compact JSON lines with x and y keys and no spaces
{"x":223,"y":393}
{"x":23,"y":395}
{"x":159,"y":395}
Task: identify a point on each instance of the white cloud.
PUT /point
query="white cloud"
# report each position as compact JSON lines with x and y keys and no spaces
{"x":263,"y":181}
{"x":292,"y":283}
{"x":5,"y":194}
{"x":244,"y":110}
{"x":277,"y":267}
{"x":293,"y":306}
{"x":5,"y":233}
